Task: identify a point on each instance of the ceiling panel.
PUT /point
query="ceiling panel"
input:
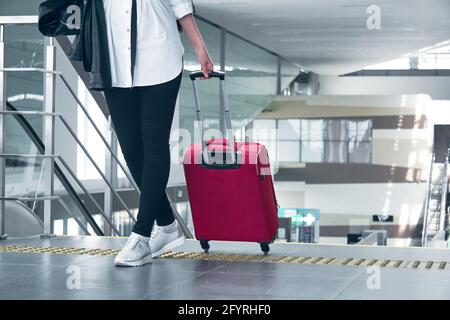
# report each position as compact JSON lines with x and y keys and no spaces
{"x":331,"y":36}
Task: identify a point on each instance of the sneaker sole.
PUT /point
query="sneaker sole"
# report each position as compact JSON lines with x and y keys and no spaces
{"x":147,"y":259}
{"x":171,"y":245}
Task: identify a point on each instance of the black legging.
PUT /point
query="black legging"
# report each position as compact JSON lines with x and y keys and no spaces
{"x":142,"y":118}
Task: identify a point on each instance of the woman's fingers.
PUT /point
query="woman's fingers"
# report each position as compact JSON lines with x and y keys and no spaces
{"x":208,"y":66}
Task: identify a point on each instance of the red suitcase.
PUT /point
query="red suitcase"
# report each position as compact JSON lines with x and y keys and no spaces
{"x":230,"y":189}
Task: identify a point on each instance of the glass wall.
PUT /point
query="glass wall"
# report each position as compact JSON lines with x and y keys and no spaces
{"x":252,"y":75}
{"x":208,"y":90}
{"x":19,"y":7}
{"x":24,"y":48}
{"x":316,"y":140}
{"x":435,"y":58}
{"x":289,"y":71}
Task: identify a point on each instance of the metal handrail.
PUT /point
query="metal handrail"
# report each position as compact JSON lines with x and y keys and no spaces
{"x":427,"y":200}
{"x":18,"y":20}
{"x":102,"y":212}
{"x":443,"y":212}
{"x":86,"y":113}
{"x":72,"y":133}
{"x":80,"y":224}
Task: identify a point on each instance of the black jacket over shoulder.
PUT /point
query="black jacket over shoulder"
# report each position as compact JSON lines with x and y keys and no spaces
{"x":91,"y":43}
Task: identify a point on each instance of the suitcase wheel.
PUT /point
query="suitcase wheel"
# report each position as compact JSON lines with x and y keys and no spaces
{"x":205,"y":245}
{"x":265,"y":247}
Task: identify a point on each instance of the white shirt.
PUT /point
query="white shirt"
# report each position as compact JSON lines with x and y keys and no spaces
{"x":159,"y":50}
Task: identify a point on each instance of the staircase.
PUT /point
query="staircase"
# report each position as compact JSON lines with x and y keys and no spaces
{"x":35,"y":181}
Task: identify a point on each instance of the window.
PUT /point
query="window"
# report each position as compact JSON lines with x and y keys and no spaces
{"x":360,"y":136}
{"x":264,"y":132}
{"x":316,"y":140}
{"x":312,"y":146}
{"x":336,"y":141}
{"x":289,"y":135}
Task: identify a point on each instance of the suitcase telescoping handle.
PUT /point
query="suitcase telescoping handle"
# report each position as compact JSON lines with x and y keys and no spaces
{"x":219,"y":75}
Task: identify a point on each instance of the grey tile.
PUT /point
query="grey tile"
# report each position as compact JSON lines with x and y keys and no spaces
{"x":41,"y":288}
{"x":418,"y":277}
{"x":20,"y":273}
{"x":175,"y":295}
{"x":297,"y":249}
{"x":44,"y":276}
{"x":298,"y":270}
{"x":165,"y":265}
{"x":395,"y":292}
{"x":26,"y":241}
{"x":87,"y":242}
{"x":422,"y":254}
{"x":400,"y":284}
{"x":46,"y":259}
{"x":239,"y":286}
{"x":68,"y":241}
{"x":142,"y":278}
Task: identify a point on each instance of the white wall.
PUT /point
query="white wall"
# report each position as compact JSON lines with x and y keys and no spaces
{"x":436,"y":87}
{"x":403,"y":148}
{"x":354,"y":204}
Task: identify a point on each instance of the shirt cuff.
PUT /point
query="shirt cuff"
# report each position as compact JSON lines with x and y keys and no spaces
{"x":181,"y":8}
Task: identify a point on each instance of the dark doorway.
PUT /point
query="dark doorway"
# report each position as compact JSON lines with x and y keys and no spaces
{"x":441,"y":142}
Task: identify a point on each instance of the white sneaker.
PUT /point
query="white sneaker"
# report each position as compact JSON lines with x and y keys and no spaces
{"x":166,"y":238}
{"x":136,"y":252}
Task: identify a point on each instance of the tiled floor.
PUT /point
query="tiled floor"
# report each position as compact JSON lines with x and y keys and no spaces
{"x":53,"y":276}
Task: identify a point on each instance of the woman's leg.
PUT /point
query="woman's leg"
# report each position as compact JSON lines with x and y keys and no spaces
{"x":157,"y":105}
{"x":123,"y":105}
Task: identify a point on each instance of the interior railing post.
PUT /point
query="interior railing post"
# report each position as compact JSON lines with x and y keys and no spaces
{"x":3,"y":234}
{"x":111,"y":173}
{"x":49,"y":133}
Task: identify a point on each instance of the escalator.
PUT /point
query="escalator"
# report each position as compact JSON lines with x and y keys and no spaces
{"x":437,"y":203}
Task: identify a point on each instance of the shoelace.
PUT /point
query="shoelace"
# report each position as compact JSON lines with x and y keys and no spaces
{"x":132,"y":243}
{"x":155,"y":233}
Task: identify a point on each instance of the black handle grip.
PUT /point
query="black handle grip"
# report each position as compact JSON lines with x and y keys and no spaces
{"x":212,"y":74}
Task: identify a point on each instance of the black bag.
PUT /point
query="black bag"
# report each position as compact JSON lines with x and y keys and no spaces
{"x":56,"y":17}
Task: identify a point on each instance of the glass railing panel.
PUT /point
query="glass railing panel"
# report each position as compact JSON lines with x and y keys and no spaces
{"x":24,"y":48}
{"x":67,"y":216}
{"x":25,"y":178}
{"x":289,"y":72}
{"x":16,"y":140}
{"x":25,"y":181}
{"x":19,"y":7}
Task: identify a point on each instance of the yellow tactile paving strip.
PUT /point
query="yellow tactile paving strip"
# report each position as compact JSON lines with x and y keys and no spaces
{"x":361,"y":262}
